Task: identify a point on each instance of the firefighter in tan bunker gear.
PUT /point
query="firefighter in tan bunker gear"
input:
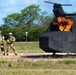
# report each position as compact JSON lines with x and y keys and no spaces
{"x":10,"y":41}
{"x":2,"y":43}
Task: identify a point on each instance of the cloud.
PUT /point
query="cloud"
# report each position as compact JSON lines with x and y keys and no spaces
{"x":11,"y":3}
{"x":37,"y":2}
{"x":13,"y":6}
{"x":30,"y":1}
{"x":26,"y":1}
{"x":8,"y":3}
{"x":10,"y":6}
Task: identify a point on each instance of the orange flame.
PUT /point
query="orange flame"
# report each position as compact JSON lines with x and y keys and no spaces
{"x":65,"y":24}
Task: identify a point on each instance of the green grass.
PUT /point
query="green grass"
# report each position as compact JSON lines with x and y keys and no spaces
{"x":40,"y":64}
{"x":64,"y":66}
{"x":41,"y":67}
{"x":27,"y":47}
{"x":32,"y":72}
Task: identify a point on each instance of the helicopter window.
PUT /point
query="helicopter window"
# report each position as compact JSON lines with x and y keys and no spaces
{"x":61,"y":24}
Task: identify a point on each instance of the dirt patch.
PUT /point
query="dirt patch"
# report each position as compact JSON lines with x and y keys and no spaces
{"x":37,"y":56}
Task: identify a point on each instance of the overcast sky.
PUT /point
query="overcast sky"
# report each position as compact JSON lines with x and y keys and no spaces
{"x":13,"y":6}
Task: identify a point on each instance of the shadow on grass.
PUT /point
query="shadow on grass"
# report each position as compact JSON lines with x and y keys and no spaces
{"x":50,"y":56}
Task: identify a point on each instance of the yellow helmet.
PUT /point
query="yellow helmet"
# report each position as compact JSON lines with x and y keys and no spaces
{"x":10,"y":33}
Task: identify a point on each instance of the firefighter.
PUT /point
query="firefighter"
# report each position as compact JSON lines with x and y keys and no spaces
{"x":10,"y":42}
{"x":2,"y":43}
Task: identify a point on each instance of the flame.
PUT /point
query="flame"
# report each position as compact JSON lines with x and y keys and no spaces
{"x":65,"y":24}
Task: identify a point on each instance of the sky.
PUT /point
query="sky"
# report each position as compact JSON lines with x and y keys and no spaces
{"x":13,"y":6}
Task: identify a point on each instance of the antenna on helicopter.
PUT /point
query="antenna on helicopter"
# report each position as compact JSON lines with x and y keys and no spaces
{"x":56,"y":3}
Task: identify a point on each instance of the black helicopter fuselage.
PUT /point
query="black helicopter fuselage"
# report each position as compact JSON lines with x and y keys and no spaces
{"x":54,"y":40}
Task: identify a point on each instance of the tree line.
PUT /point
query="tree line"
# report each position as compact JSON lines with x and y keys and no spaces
{"x":30,"y":19}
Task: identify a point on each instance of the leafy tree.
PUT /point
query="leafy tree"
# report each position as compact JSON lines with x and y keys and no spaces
{"x":31,"y":19}
{"x":34,"y":33}
{"x":30,"y":14}
{"x":11,"y":19}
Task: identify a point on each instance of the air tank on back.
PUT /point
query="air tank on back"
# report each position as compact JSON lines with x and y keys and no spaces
{"x":61,"y":33}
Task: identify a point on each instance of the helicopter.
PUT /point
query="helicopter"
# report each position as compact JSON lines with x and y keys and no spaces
{"x":61,"y":33}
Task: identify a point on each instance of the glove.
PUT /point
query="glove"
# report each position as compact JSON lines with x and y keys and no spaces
{"x":9,"y":42}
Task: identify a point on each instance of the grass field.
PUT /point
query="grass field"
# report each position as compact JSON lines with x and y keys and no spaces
{"x":41,"y":67}
{"x":28,"y":47}
{"x":51,"y":66}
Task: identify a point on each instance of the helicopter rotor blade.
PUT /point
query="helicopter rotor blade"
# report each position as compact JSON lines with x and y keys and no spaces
{"x":49,"y":2}
{"x":66,"y":4}
{"x":56,"y":3}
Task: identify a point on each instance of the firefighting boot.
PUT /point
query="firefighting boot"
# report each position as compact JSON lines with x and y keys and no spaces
{"x":15,"y":52}
{"x":7,"y":53}
{"x":3,"y":51}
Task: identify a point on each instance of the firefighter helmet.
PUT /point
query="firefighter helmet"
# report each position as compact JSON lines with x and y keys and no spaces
{"x":10,"y":33}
